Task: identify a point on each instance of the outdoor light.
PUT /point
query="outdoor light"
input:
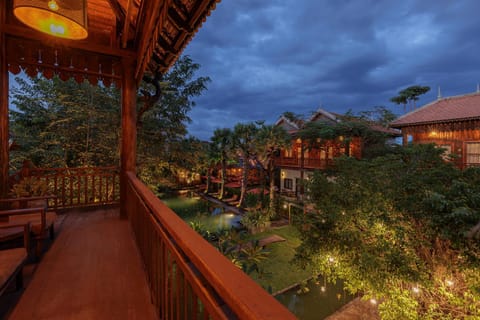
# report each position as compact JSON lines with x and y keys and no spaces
{"x":60,"y":18}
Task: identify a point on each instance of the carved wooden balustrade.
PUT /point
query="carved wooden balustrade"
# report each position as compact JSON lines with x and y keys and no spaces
{"x":189,"y":278}
{"x":74,"y":187}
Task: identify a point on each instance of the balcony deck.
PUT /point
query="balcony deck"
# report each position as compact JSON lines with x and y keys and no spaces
{"x":93,"y":270}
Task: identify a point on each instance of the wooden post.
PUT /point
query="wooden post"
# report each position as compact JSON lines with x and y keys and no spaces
{"x":4,"y":159}
{"x":129,"y":131}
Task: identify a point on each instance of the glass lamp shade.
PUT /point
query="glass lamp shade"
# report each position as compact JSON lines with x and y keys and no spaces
{"x":60,"y":18}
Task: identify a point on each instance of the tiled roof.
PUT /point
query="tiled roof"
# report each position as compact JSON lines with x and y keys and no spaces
{"x":449,"y":109}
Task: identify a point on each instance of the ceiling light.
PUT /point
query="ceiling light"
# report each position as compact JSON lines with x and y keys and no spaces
{"x":60,"y":18}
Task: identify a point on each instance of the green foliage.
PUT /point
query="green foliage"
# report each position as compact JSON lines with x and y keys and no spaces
{"x":64,"y":124}
{"x":410,"y":95}
{"x":396,"y":223}
{"x":30,"y":187}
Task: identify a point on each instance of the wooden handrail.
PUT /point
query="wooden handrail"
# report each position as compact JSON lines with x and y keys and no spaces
{"x":223,"y":289}
{"x":76,"y":187}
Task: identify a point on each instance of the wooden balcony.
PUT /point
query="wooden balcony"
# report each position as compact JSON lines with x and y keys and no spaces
{"x":308,"y":163}
{"x":151,"y":266}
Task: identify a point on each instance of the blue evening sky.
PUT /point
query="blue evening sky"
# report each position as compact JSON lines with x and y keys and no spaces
{"x":268,"y":57}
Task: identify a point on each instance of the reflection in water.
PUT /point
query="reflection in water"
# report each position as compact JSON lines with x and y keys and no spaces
{"x":321,"y":300}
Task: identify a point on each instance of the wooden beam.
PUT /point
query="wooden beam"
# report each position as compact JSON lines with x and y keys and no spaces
{"x":4,"y":157}
{"x":129,"y":130}
{"x":117,"y":9}
{"x":126,"y":24}
{"x":30,"y":34}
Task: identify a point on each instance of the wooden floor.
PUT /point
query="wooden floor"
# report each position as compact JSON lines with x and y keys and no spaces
{"x":92,"y":271}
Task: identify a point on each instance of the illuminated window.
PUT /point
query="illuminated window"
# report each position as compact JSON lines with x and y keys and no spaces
{"x":472,"y":153}
{"x":288,"y":153}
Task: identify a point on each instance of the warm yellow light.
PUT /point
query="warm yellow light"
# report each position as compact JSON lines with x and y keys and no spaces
{"x":433,"y":134}
{"x":52,"y":4}
{"x":66,"y":19}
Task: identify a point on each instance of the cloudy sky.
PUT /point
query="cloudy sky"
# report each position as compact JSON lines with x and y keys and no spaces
{"x":268,"y":57}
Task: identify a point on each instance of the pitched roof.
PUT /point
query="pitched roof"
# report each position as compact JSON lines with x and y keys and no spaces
{"x":289,"y":125}
{"x":456,"y":108}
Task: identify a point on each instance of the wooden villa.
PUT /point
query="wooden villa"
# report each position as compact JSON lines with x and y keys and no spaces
{"x":452,"y":123}
{"x":302,"y":157}
{"x":139,"y":261}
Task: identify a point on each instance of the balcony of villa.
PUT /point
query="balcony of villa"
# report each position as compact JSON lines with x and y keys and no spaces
{"x":307,"y":163}
{"x":150,"y":265}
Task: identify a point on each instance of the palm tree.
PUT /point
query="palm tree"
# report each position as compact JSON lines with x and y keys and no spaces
{"x":221,"y":144}
{"x":244,"y":144}
{"x":270,"y":140}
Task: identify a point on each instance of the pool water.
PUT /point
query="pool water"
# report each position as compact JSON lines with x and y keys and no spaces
{"x":319,"y":302}
{"x":195,"y":209}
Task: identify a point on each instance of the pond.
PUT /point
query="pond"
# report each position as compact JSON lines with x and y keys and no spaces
{"x":321,"y":300}
{"x":211,"y":217}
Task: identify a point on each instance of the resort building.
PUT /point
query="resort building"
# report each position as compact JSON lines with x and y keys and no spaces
{"x":452,"y":123}
{"x":303,"y":157}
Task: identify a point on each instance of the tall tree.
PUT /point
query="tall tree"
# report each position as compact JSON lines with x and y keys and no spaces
{"x":270,"y":140}
{"x":244,"y":144}
{"x":64,"y":124}
{"x":222,"y":141}
{"x":163,"y":119}
{"x":410,"y":95}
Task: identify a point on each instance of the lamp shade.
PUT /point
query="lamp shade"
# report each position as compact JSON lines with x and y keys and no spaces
{"x":60,"y":18}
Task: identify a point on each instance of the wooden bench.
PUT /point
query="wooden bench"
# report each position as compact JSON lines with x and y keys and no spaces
{"x":13,"y":260}
{"x":41,"y":220}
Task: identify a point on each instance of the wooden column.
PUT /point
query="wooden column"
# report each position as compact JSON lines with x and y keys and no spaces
{"x":129,"y":131}
{"x":3,"y":109}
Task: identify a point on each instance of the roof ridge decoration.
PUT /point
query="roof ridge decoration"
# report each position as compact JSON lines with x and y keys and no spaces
{"x":282,"y":117}
{"x":325,"y":113}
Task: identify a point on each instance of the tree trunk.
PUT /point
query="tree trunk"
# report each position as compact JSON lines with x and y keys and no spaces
{"x":244,"y":183}
{"x":271,"y":171}
{"x":224,"y":178}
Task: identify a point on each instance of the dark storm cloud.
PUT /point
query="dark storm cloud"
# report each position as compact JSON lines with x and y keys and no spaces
{"x":267,"y":57}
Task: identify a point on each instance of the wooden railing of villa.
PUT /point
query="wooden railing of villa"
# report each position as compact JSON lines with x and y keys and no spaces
{"x":307,"y":163}
{"x":189,"y":278}
{"x":75,"y":187}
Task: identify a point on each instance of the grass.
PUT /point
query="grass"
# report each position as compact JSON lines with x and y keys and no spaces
{"x":279,"y":271}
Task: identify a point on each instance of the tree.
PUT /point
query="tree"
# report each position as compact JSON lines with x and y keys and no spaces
{"x":64,"y":124}
{"x":244,"y":144}
{"x":222,"y":140}
{"x":163,"y":114}
{"x":410,"y":95}
{"x":394,"y":228}
{"x":270,"y":140}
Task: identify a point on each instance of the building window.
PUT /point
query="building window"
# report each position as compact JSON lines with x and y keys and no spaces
{"x":472,"y":152}
{"x":288,"y":184}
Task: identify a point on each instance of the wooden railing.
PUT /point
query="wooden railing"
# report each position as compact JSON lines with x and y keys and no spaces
{"x":189,"y":278}
{"x":75,"y":187}
{"x":307,"y":163}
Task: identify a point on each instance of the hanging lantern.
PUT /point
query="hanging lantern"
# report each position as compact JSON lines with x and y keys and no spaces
{"x":60,"y":18}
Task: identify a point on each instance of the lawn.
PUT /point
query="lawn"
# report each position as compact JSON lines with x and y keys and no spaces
{"x":279,"y":271}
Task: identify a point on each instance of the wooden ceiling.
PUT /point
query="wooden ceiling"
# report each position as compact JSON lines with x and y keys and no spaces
{"x":151,"y":32}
